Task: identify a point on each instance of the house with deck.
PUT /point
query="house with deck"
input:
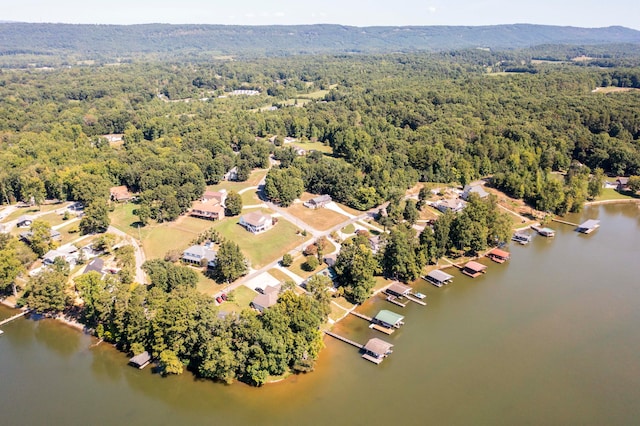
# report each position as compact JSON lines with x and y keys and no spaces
{"x":200,"y":256}
{"x":256,"y":222}
{"x":318,"y":202}
{"x":438,"y":278}
{"x":474,"y":269}
{"x":210,"y":210}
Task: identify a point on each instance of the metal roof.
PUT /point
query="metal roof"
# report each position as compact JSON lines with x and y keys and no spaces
{"x":377,"y":346}
{"x":589,"y":224}
{"x":439,"y":276}
{"x":389,"y":317}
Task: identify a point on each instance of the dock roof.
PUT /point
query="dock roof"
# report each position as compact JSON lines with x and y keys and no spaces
{"x":141,"y":359}
{"x":399,"y":288}
{"x":499,"y":253}
{"x":378,"y":346}
{"x":388,"y":317}
{"x":439,"y":276}
{"x":589,"y":224}
{"x":475,"y":266}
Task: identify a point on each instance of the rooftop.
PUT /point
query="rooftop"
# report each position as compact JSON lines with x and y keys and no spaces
{"x":475,"y":266}
{"x":389,"y":317}
{"x":439,"y":275}
{"x":256,"y":218}
{"x":378,"y":346}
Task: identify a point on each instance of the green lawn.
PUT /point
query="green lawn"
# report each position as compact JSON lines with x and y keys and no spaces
{"x":314,"y":146}
{"x":158,"y":238}
{"x":262,"y":248}
{"x":336,"y":313}
{"x":32,"y":210}
{"x":254,"y":179}
{"x":349,"y":229}
{"x":242,"y":297}
{"x":296,"y":267}
{"x":250,"y":198}
{"x":207,"y":285}
{"x":612,"y":194}
{"x":279,"y":275}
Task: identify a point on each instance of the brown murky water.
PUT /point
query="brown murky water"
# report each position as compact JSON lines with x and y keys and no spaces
{"x":552,"y":337}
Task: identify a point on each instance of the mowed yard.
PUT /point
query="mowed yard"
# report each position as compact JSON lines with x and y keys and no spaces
{"x":158,"y":238}
{"x":320,"y":219}
{"x":263,"y":248}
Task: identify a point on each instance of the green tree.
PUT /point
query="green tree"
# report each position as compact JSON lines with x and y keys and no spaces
{"x":40,"y":240}
{"x":230,"y":263}
{"x":410,"y":213}
{"x":287,"y":260}
{"x":282,"y":186}
{"x":402,"y":259}
{"x":311,"y":263}
{"x":634,"y":184}
{"x":47,"y":292}
{"x":596,"y":183}
{"x":10,"y":265}
{"x":170,"y":363}
{"x":233,"y":204}
{"x":355,"y":267}
{"x":96,"y":217}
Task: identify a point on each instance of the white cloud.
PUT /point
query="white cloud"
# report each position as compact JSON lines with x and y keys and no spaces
{"x":432,"y":9}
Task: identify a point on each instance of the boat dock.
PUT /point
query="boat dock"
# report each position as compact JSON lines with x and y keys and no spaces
{"x":394,"y":299}
{"x":565,"y":222}
{"x":15,"y":317}
{"x":359,"y":315}
{"x":344,"y":339}
{"x":382,"y":329}
{"x":414,"y":300}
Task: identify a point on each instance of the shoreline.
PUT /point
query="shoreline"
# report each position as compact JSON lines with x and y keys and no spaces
{"x":621,"y":201}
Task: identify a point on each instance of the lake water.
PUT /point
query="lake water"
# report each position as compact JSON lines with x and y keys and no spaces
{"x":551,"y":337}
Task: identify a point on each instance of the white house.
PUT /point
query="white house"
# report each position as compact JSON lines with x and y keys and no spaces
{"x":197,"y":254}
{"x":256,"y":222}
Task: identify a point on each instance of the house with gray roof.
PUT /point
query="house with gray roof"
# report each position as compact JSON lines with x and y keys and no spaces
{"x":200,"y":256}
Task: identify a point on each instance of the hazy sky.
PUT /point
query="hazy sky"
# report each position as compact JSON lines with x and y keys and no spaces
{"x":583,"y":13}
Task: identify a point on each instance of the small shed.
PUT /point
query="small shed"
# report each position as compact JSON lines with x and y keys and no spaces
{"x":376,"y":350}
{"x":589,"y":226}
{"x":389,"y":319}
{"x":141,"y":360}
{"x":499,"y":256}
{"x":438,"y":278}
{"x":474,"y":269}
{"x":24,"y":221}
{"x":398,"y":289}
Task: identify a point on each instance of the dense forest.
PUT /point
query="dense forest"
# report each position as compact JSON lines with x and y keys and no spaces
{"x":117,"y":41}
{"x":534,"y":128}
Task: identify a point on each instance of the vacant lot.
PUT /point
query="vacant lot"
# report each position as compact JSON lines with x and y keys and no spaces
{"x":320,"y":219}
{"x":264,"y":248}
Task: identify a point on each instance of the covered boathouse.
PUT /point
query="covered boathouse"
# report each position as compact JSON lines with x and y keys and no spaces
{"x":499,"y":256}
{"x":141,"y":360}
{"x":388,"y":319}
{"x":474,"y":269}
{"x":398,"y":289}
{"x":589,"y":226}
{"x":376,"y":350}
{"x":438,"y":278}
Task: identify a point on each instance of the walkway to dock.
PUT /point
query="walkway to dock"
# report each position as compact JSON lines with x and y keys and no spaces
{"x":565,"y":222}
{"x":359,"y":315}
{"x":8,"y":320}
{"x":344,"y":339}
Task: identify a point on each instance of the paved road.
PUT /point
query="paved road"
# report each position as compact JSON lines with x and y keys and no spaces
{"x":141,"y":277}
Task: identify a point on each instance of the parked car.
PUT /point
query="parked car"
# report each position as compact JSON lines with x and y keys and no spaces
{"x":219,"y":299}
{"x":224,"y":296}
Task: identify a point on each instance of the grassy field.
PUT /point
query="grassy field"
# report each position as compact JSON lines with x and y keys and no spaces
{"x":314,"y":146}
{"x":207,"y":285}
{"x":158,"y":238}
{"x":320,"y":219}
{"x":279,"y":275}
{"x":32,"y":210}
{"x":262,"y":248}
{"x":254,"y":179}
{"x":349,"y":229}
{"x":250,"y":198}
{"x":242,"y":297}
{"x":52,"y":219}
{"x":381,"y":282}
{"x":609,"y":194}
{"x":296,"y":268}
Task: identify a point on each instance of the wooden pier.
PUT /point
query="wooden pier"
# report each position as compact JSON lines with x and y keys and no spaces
{"x":565,"y":222}
{"x":414,"y":300}
{"x":359,"y":315}
{"x":394,"y":299}
{"x":344,"y":339}
{"x":15,"y":317}
{"x":382,"y":329}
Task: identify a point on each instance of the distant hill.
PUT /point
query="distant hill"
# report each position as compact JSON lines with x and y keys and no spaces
{"x":125,"y":40}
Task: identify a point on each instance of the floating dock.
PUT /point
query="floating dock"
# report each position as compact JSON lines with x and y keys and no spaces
{"x":394,"y":299}
{"x":414,"y":300}
{"x":565,"y":222}
{"x":588,"y":227}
